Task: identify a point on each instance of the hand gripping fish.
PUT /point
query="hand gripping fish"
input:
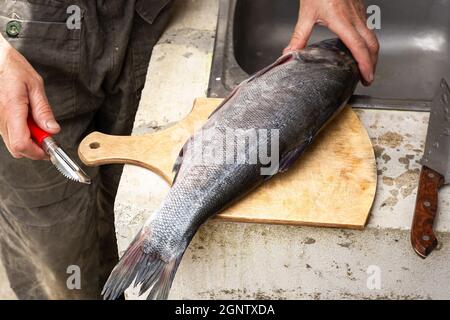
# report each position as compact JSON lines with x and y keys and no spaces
{"x":295,"y":97}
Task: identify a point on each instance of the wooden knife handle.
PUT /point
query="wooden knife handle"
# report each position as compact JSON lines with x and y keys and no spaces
{"x":423,"y":238}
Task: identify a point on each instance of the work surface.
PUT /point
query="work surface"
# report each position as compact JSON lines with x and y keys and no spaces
{"x":241,"y":260}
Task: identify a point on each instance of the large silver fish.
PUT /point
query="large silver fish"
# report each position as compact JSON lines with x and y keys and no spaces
{"x":286,"y":104}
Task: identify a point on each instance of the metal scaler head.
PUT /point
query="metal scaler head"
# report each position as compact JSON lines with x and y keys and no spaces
{"x":65,"y":165}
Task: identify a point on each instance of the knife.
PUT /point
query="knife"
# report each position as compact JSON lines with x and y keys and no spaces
{"x":435,"y":173}
{"x":66,"y":166}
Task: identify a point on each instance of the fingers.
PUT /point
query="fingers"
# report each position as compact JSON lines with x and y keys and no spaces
{"x":371,"y":41}
{"x":40,"y":108}
{"x":358,"y":46}
{"x":19,"y":141}
{"x":301,"y":34}
{"x":347,"y":19}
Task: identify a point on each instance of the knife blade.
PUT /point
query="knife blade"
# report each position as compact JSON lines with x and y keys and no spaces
{"x":63,"y":163}
{"x":434,"y":174}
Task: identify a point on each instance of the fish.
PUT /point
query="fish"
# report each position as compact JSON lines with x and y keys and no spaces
{"x":287,"y":104}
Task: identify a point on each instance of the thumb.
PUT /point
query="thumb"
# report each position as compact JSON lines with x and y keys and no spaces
{"x":301,"y":34}
{"x":41,"y":110}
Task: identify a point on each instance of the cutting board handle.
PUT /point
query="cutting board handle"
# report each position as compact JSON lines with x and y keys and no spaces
{"x":156,"y":151}
{"x":99,"y":149}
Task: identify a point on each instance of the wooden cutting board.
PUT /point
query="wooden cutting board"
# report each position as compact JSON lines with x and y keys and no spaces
{"x":332,"y":185}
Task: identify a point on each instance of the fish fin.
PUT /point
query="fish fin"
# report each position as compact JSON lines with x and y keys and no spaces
{"x":281,"y":60}
{"x":161,"y":288}
{"x":177,"y":166}
{"x":146,"y":269}
{"x":284,"y":58}
{"x":176,"y":169}
{"x":290,"y":157}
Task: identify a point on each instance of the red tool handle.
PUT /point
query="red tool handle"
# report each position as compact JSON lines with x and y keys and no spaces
{"x":37,"y":133}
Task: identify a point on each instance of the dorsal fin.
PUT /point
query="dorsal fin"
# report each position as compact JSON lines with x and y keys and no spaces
{"x":283,"y":59}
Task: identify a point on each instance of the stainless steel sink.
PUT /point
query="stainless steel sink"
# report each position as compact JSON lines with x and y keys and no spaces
{"x":414,"y":38}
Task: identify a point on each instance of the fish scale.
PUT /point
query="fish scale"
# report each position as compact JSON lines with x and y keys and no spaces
{"x":296,"y":95}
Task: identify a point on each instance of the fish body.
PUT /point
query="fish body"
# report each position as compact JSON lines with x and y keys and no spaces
{"x":282,"y":107}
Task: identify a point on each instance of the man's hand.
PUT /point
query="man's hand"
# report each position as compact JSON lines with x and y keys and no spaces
{"x":347,"y":19}
{"x":22,"y":91}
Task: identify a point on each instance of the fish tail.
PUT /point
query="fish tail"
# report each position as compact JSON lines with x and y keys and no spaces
{"x":145,"y":269}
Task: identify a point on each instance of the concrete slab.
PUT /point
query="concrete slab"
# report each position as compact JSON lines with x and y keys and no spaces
{"x":278,"y":262}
